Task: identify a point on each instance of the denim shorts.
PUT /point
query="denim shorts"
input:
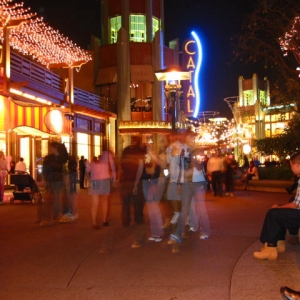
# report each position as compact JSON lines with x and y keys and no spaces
{"x":100,"y":187}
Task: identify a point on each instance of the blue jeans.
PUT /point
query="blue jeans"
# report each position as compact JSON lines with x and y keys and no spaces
{"x":68,"y":196}
{"x":200,"y":216}
{"x":73,"y":181}
{"x":56,"y":187}
{"x":152,"y":197}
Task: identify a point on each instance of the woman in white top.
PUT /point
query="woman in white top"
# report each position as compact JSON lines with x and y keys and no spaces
{"x":3,"y":173}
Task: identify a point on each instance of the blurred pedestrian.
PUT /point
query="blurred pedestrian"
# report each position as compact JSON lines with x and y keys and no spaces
{"x":53,"y":166}
{"x":215,"y":166}
{"x":69,"y":190}
{"x":191,"y":184}
{"x":129,"y":166}
{"x":148,"y":172}
{"x":174,"y":152}
{"x":81,"y":172}
{"x":72,"y":168}
{"x":102,"y":172}
{"x":229,"y":169}
{"x":3,"y":173}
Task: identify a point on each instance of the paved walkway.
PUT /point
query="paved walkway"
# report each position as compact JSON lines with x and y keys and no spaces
{"x":62,"y":261}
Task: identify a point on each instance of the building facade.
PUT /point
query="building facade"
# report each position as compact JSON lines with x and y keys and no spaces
{"x":254,"y":115}
{"x":39,"y":105}
{"x":131,"y":51}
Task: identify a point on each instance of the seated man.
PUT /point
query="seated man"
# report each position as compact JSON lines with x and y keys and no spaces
{"x":278,"y":219}
{"x":289,"y":294}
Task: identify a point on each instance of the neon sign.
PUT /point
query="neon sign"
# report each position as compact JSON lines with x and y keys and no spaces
{"x":192,"y":59}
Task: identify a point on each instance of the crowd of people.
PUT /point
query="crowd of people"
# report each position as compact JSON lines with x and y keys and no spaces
{"x":145,"y":182}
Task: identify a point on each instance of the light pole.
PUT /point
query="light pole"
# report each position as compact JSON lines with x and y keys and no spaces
{"x":172,"y":76}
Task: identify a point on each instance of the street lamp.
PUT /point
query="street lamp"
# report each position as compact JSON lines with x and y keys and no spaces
{"x":172,"y":76}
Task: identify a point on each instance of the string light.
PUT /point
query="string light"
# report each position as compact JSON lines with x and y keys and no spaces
{"x":29,"y":35}
{"x":290,"y":40}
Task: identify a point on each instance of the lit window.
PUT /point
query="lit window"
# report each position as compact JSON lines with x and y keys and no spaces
{"x":248,"y":97}
{"x":115,"y":25}
{"x":137,"y":28}
{"x":155,"y":26}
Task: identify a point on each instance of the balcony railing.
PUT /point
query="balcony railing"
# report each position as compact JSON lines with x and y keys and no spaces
{"x":51,"y":84}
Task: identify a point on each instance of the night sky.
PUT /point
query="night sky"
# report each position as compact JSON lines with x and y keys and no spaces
{"x":214,"y":20}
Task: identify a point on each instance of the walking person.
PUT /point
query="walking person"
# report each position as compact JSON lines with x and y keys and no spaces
{"x":148,"y":172}
{"x":215,"y":167}
{"x":191,"y":184}
{"x":53,"y":166}
{"x":101,"y":171}
{"x":194,"y":197}
{"x":229,"y":168}
{"x":81,"y":172}
{"x":72,"y":168}
{"x":3,"y":173}
{"x":69,"y":191}
{"x":129,"y":166}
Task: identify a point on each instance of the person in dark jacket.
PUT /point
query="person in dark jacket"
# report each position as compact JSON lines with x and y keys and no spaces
{"x":53,"y":166}
{"x":129,"y":164}
{"x":81,"y":171}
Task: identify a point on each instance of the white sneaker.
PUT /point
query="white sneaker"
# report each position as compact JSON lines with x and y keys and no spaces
{"x":193,"y":229}
{"x":175,"y":218}
{"x":155,"y":238}
{"x":66,"y":219}
{"x":204,"y":236}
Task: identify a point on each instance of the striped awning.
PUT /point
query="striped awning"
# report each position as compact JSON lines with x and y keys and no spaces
{"x":14,"y":115}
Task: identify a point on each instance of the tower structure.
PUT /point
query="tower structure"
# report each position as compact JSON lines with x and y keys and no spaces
{"x":132,"y":49}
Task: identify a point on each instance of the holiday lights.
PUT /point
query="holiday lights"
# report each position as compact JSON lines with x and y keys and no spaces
{"x":31,"y":36}
{"x":290,"y":40}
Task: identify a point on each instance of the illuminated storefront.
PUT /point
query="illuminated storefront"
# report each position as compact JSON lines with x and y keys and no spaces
{"x":38,"y":106}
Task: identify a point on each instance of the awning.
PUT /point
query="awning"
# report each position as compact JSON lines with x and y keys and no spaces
{"x":15,"y":115}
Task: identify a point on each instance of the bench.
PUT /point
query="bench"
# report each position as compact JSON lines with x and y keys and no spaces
{"x":263,"y":185}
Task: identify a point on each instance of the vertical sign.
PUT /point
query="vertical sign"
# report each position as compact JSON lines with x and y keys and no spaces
{"x":191,"y":60}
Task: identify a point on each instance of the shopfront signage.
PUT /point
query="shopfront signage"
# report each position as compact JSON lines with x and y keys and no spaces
{"x":192,"y":59}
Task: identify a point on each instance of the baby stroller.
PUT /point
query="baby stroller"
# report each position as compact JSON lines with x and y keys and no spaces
{"x":26,"y":188}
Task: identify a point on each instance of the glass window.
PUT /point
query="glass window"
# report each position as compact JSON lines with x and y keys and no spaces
{"x":115,"y":25}
{"x":248,"y":96}
{"x":155,"y":26}
{"x":3,"y":142}
{"x":137,"y":28}
{"x":97,"y":145}
{"x":83,"y":145}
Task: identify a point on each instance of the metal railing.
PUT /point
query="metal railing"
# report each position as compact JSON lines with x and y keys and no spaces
{"x":50,"y":81}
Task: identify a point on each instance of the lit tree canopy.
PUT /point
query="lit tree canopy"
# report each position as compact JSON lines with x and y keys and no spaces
{"x":290,"y":42}
{"x":268,"y":33}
